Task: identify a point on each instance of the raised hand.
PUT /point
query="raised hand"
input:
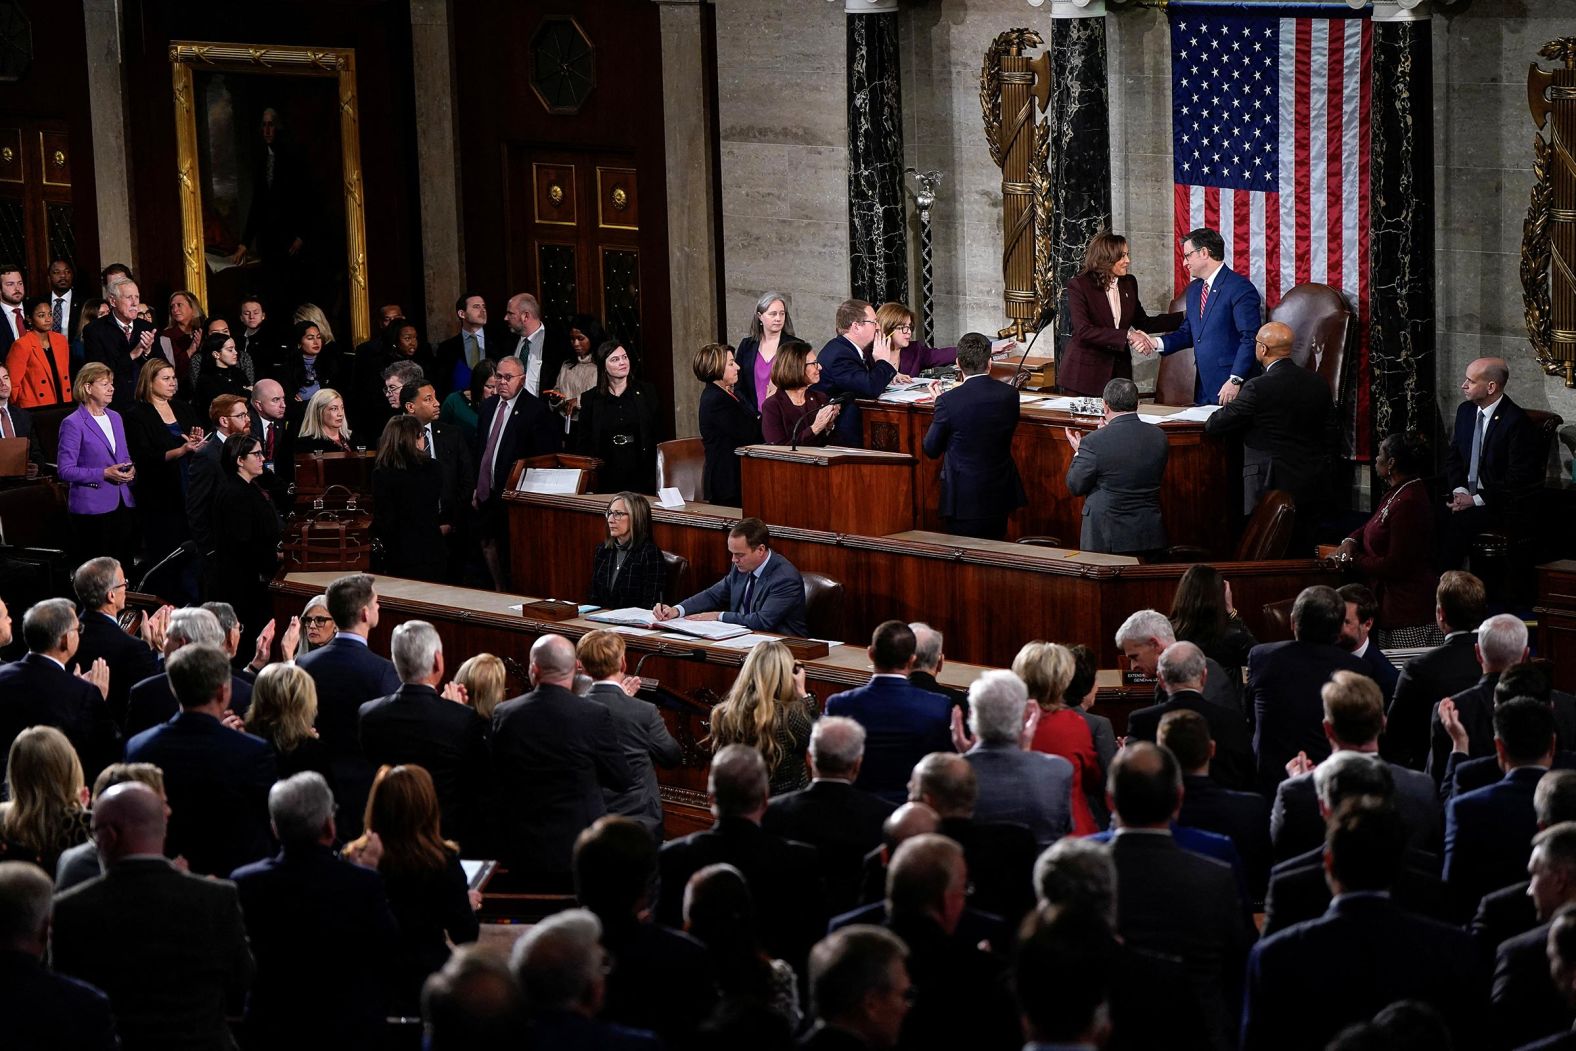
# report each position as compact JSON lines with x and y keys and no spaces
{"x":291,"y":641}
{"x":265,"y":647}
{"x":97,"y":676}
{"x":960,"y":733}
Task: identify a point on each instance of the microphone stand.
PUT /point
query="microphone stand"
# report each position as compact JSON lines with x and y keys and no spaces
{"x":693,"y":654}
{"x":1019,"y":375}
{"x":186,"y":548}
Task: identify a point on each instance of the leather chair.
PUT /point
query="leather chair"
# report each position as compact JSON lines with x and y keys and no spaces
{"x":1041,"y":541}
{"x":1277,"y":621}
{"x":681,"y":464}
{"x":823,"y":607}
{"x":1266,"y":536}
{"x":1178,"y":376}
{"x":675,"y":579}
{"x":1322,"y":325}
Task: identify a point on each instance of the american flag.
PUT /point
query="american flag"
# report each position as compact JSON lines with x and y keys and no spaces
{"x":1270,"y":146}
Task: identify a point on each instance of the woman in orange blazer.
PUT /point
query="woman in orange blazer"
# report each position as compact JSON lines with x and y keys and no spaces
{"x":39,"y":362}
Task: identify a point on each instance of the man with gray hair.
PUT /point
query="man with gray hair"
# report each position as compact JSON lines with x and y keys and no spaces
{"x":436,"y":731}
{"x":1185,"y":675}
{"x":553,"y":753}
{"x":1033,"y":789}
{"x":1117,"y":469}
{"x":38,"y":690}
{"x":562,"y":968}
{"x":320,"y":927}
{"x":473,"y":1003}
{"x":841,"y":822}
{"x":929,"y":659}
{"x":779,"y":871}
{"x":1145,"y":635}
{"x":42,"y":1009}
{"x":100,"y":586}
{"x":1501,"y":642}
{"x":1000,"y":853}
{"x":215,"y":777}
{"x":152,"y":701}
{"x":1526,"y":1005}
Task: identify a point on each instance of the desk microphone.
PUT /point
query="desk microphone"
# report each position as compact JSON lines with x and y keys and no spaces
{"x":842,"y":401}
{"x":1019,"y":375}
{"x":188,"y":547}
{"x":681,"y":653}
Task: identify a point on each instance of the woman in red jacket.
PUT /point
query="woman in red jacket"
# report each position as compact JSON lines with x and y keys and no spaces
{"x":1393,"y":551}
{"x":39,"y":362}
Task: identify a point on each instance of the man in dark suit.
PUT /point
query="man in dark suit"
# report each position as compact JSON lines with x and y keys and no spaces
{"x":902,"y":723}
{"x":42,"y":1009}
{"x":973,"y":427}
{"x":1509,"y":911}
{"x":215,"y":777}
{"x":1221,"y":316}
{"x":929,"y":659}
{"x":1443,"y":671}
{"x":320,"y":928}
{"x":1170,"y":900}
{"x":168,"y":947}
{"x":858,"y":361}
{"x":121,"y":340}
{"x":1285,"y":680}
{"x":1184,"y":675}
{"x":540,"y":350}
{"x":266,"y":342}
{"x":461,"y":352}
{"x":1561,"y":951}
{"x":38,"y":690}
{"x":554,"y":757}
{"x":152,"y":701}
{"x":661,"y":978}
{"x":1298,"y":889}
{"x":1364,"y":953}
{"x":446,"y":445}
{"x":561,"y":967}
{"x":1527,"y":679}
{"x":1015,"y":784}
{"x":841,"y":822}
{"x":1117,"y":469}
{"x":860,"y":990}
{"x":511,"y":425}
{"x":13,"y":293}
{"x":19,"y":419}
{"x":1353,"y":721}
{"x":100,"y":586}
{"x":1144,"y":636}
{"x":1356,"y":637}
{"x":1501,"y":642}
{"x":1243,"y":816}
{"x":642,"y":734}
{"x":269,"y":424}
{"x":778,"y":871}
{"x":64,"y":303}
{"x":1494,"y":461}
{"x":1526,"y":1003}
{"x":229,"y":415}
{"x":763,"y":591}
{"x":1488,"y":833}
{"x":347,"y":675}
{"x":1284,"y":419}
{"x":442,"y":734}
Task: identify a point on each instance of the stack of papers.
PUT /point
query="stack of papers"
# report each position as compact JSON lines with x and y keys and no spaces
{"x":1196,"y":414}
{"x":714,"y":630}
{"x":747,"y":641}
{"x":635,"y":617}
{"x":907,"y":394}
{"x":629,"y":616}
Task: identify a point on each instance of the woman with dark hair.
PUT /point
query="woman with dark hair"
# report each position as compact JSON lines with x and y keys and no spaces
{"x":1103,"y":304}
{"x":421,"y":873}
{"x":221,"y":371}
{"x":1392,"y":552}
{"x":629,"y":568}
{"x":769,"y":328}
{"x":460,"y":407}
{"x":578,"y":374}
{"x":162,"y":433}
{"x":310,"y":367}
{"x":618,"y":423}
{"x":726,"y":422}
{"x":245,"y":529}
{"x":760,"y":994}
{"x":1202,"y":613}
{"x":40,"y":360}
{"x":796,"y":412}
{"x":406,"y":485}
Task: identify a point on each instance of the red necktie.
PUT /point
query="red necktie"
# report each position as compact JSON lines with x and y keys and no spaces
{"x":20,"y":328}
{"x":268,"y":448}
{"x":6,"y":430}
{"x":1203,"y":297}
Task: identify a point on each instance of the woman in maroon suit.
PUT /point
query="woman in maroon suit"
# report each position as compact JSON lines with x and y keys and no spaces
{"x":1392,"y":553}
{"x":1104,"y":307}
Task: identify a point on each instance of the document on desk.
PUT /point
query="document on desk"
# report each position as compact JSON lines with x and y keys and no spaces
{"x":1195,"y":413}
{"x":747,"y":641}
{"x":550,"y":480}
{"x":713,"y":630}
{"x":909,"y":394}
{"x":1156,"y":420}
{"x":629,"y":616}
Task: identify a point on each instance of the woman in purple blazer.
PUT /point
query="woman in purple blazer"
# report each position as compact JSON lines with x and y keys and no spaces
{"x":95,"y":462}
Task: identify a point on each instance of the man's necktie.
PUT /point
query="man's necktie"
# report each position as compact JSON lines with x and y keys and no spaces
{"x":60,"y":315}
{"x":472,"y":351}
{"x":20,"y":328}
{"x":1203,"y":298}
{"x":269,"y":430}
{"x":749,"y":593}
{"x":1477,"y":452}
{"x":432,"y":446}
{"x":6,"y":430}
{"x":484,"y":480}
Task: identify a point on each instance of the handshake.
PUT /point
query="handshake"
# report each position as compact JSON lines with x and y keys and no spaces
{"x":1142,"y":342}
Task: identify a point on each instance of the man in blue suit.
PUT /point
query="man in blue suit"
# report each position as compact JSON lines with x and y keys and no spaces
{"x":860,"y":361}
{"x":1357,"y":637}
{"x":973,"y":427}
{"x":1488,"y":833}
{"x":1223,"y":313}
{"x":1495,"y":460}
{"x":903,"y":723}
{"x":216,"y":778}
{"x":347,"y":675}
{"x":763,"y":591}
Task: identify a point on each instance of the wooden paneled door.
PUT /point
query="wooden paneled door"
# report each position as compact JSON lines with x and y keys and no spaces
{"x":35,"y":198}
{"x":574,"y":236}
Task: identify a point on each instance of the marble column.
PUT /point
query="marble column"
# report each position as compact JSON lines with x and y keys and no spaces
{"x":111,"y":159}
{"x":1401,"y":242}
{"x":438,"y":164}
{"x":1079,"y":119}
{"x":877,"y":221}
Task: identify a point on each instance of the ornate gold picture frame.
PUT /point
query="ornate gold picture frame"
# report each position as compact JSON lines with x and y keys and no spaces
{"x":188,"y":58}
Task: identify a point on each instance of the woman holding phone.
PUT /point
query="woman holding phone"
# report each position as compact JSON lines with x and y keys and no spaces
{"x":95,"y":463}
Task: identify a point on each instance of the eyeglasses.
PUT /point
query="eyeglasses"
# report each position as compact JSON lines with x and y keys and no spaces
{"x":116,"y":587}
{"x":618,"y":514}
{"x":864,"y":321}
{"x":317,"y":622}
{"x":257,"y":453}
{"x":1190,"y":252}
{"x":237,"y":416}
{"x":902,"y":328}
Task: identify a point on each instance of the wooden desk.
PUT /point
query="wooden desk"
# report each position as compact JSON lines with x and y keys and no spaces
{"x":1201,"y":498}
{"x":987,"y":597}
{"x":683,"y":686}
{"x":776,"y":479}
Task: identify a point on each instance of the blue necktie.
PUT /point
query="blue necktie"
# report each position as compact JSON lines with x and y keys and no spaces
{"x":749,"y":592}
{"x":1477,"y":452}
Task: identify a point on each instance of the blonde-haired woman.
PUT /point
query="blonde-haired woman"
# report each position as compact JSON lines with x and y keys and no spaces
{"x":324,"y":428}
{"x":770,"y":710}
{"x":1046,"y":669}
{"x":483,"y":677}
{"x":283,"y":711}
{"x":47,"y":812}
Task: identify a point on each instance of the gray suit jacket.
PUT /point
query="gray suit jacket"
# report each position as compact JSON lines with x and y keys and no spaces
{"x":1028,"y":788}
{"x":643,"y":737}
{"x":1118,"y":470}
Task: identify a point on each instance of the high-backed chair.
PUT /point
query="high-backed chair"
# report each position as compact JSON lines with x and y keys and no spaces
{"x":1178,"y":376}
{"x":675,"y":580}
{"x":1322,"y":325}
{"x":823,"y":607}
{"x":680,"y":464}
{"x":1266,"y":536}
{"x":1277,"y":621}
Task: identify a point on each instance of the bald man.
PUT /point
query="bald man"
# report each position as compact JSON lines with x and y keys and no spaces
{"x":553,"y":754}
{"x":1495,"y":459}
{"x":1284,"y":418}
